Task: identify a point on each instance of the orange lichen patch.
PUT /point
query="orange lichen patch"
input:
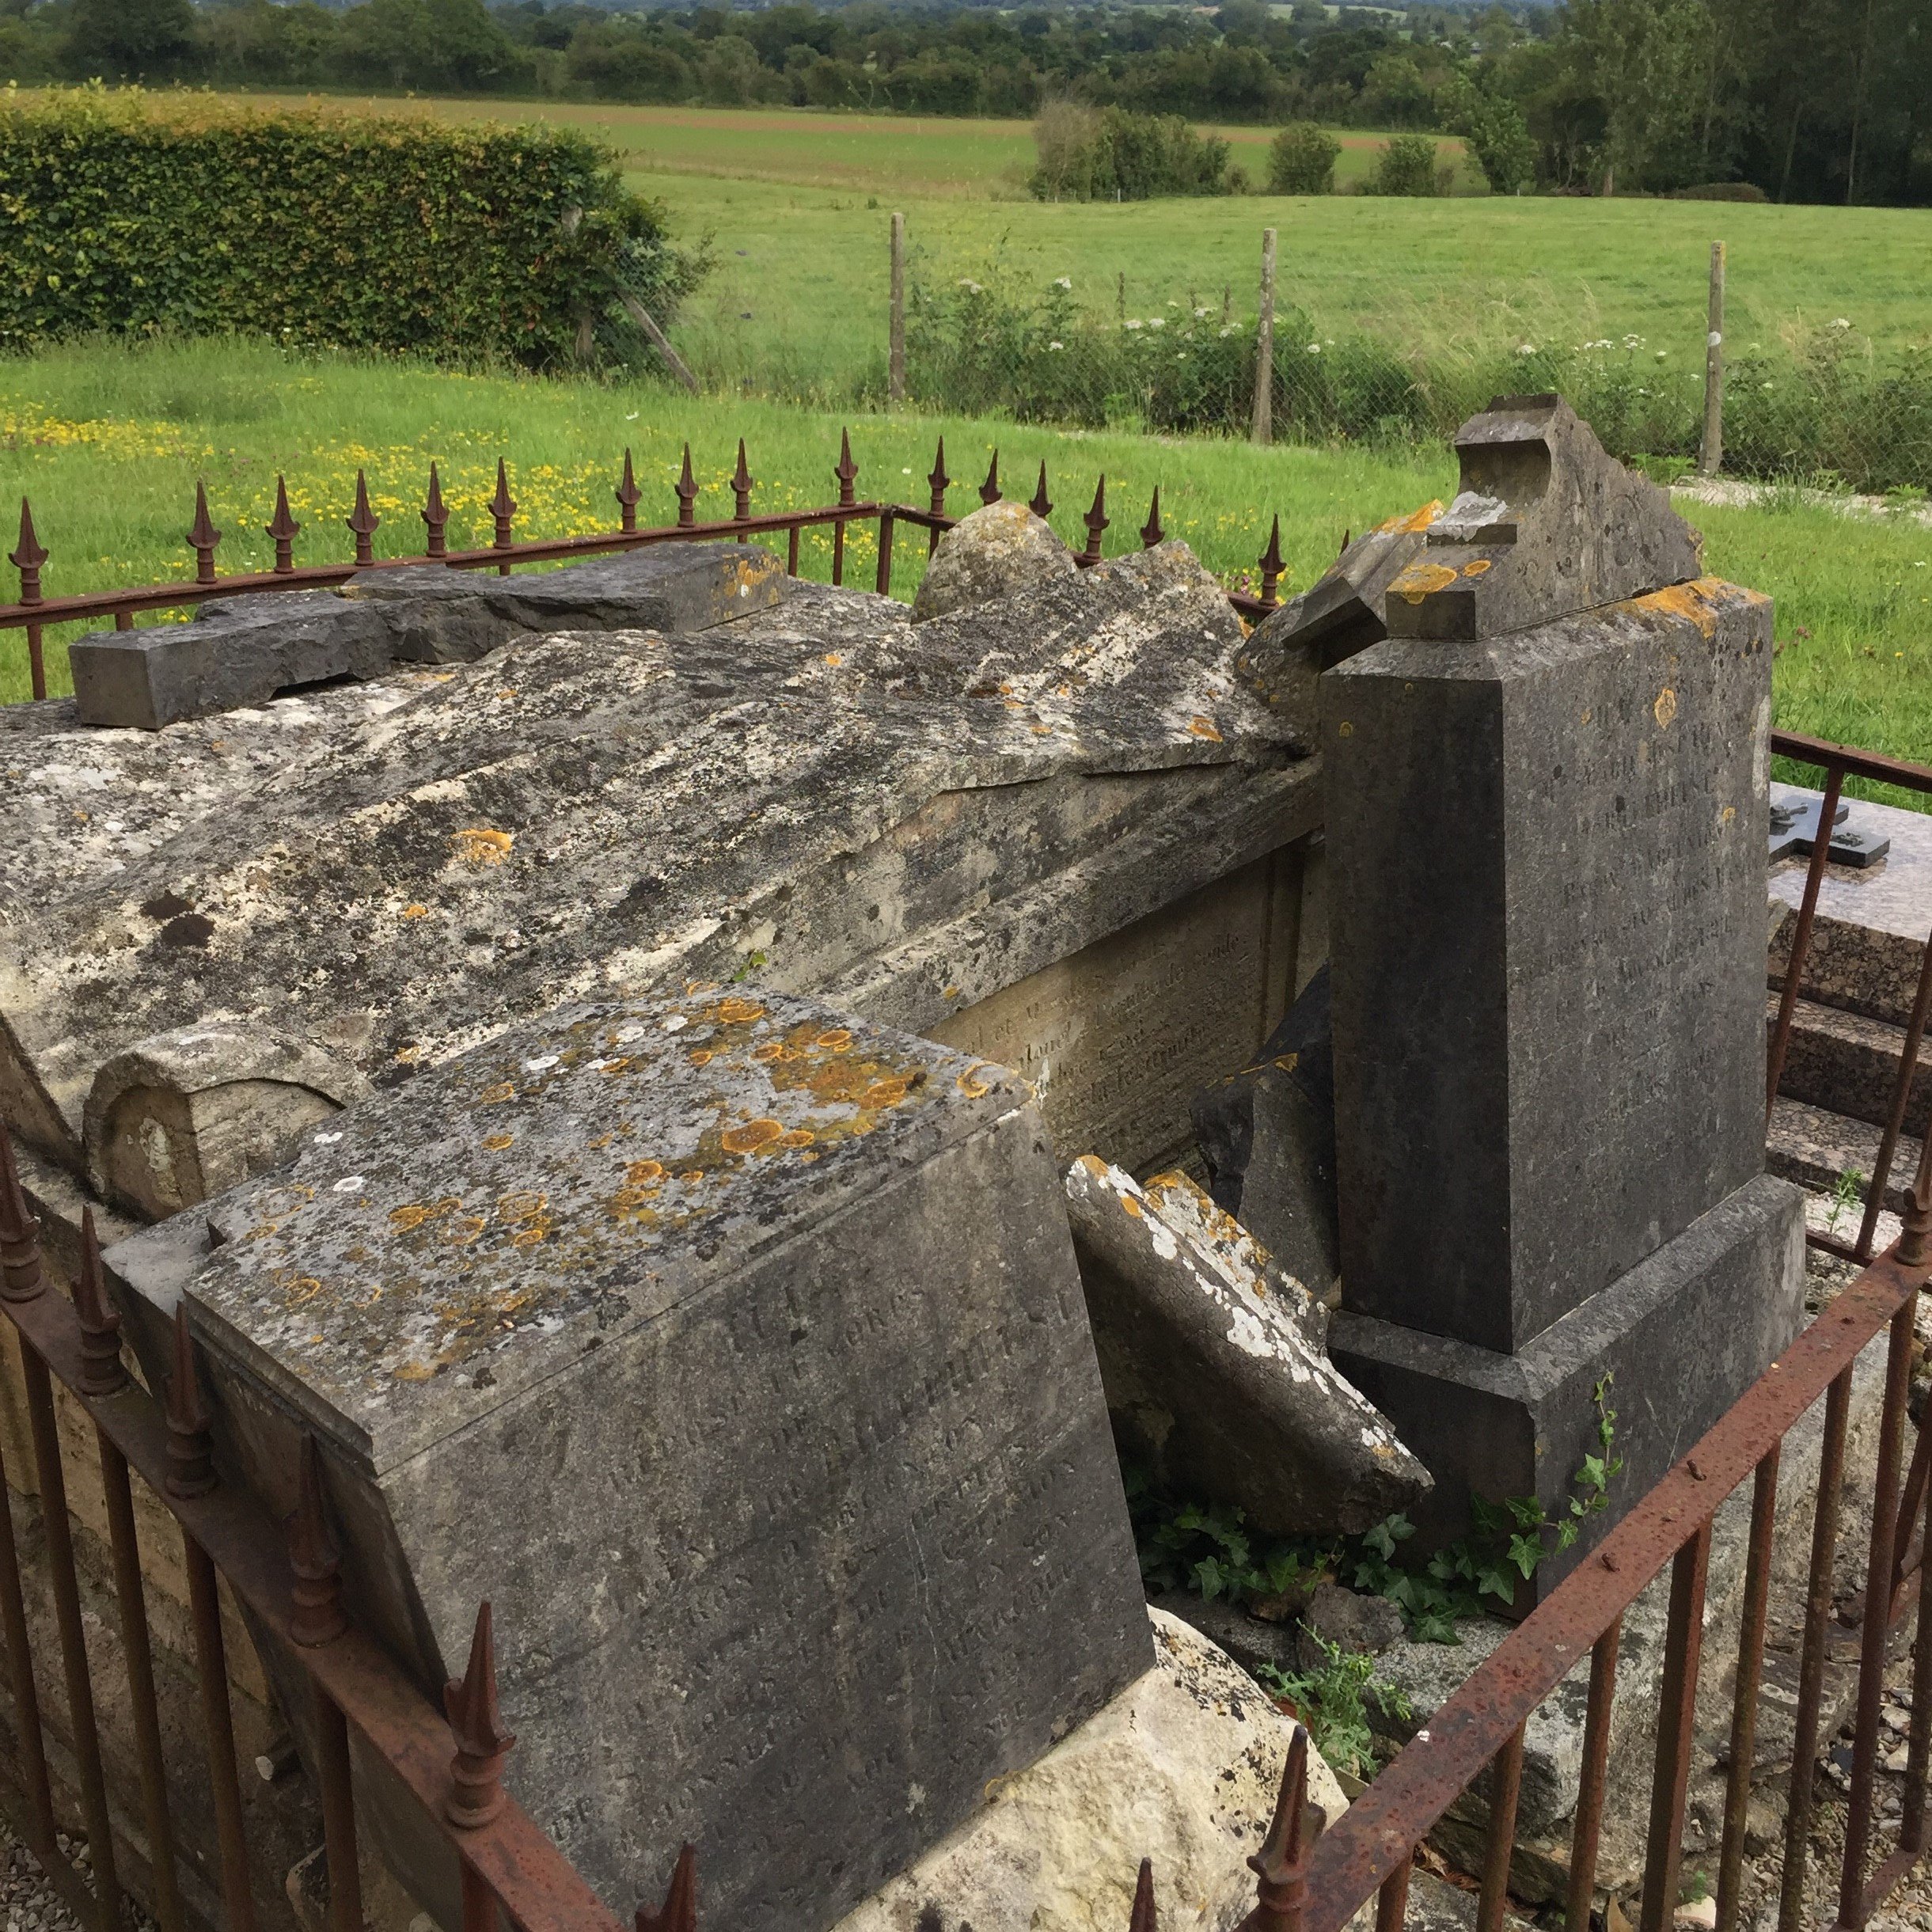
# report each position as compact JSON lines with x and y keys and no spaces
{"x":412,"y":1215}
{"x":767,"y":1051}
{"x":406,"y":1053}
{"x":834,"y":659}
{"x":520,"y":1205}
{"x":1344,"y":729}
{"x":497,"y":1142}
{"x":1666,"y":709}
{"x":735,"y":1011}
{"x":692,"y":1174}
{"x":464,"y":1229}
{"x":415,"y":1372}
{"x":1421,"y":580}
{"x":1095,"y":1166}
{"x":299,"y":1289}
{"x":622,"y":1064}
{"x":1416,"y":520}
{"x":1287,"y":1062}
{"x":836,"y":1041}
{"x":1046,"y":730}
{"x":484,"y":844}
{"x":1204,"y":727}
{"x":1476,"y":566}
{"x":416,"y":911}
{"x":700,"y":1057}
{"x":530,"y":1237}
{"x":1697,"y":600}
{"x":751,"y":1135}
{"x":641,"y":1173}
{"x":799,"y":1136}
{"x":974,"y":1088}
{"x":1132,"y":1206}
{"x":885,"y":1093}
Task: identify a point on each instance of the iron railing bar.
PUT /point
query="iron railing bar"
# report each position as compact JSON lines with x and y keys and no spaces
{"x":1918,"y":1742}
{"x":1901,"y":1099}
{"x":57,"y":1526}
{"x":1684,"y":1647}
{"x":332,"y":1775}
{"x":1875,"y":1623}
{"x":1586,"y":1835}
{"x":1404,"y":1803}
{"x":1908,"y":1554}
{"x":1801,"y":942}
{"x":218,"y":1736}
{"x":1750,"y":1679}
{"x":479,"y":1902}
{"x":1504,"y":1790}
{"x":535,"y":1882}
{"x":1850,"y":761}
{"x":20,"y":1679}
{"x":1392,"y":1901}
{"x":137,"y":1653}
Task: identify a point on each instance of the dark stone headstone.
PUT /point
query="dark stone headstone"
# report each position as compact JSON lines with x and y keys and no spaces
{"x":1548,"y":810}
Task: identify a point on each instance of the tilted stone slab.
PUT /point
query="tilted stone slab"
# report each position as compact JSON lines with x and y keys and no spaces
{"x":1216,"y":1366}
{"x":1545,"y":525}
{"x":735,"y":1349}
{"x":239,"y":652}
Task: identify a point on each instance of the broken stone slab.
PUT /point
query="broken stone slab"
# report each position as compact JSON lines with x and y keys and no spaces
{"x":1341,"y":612}
{"x":821,"y":793}
{"x":1362,"y":1625}
{"x":1546,"y":524}
{"x":1268,"y":1136}
{"x":239,"y":652}
{"x":1183,"y":1768}
{"x":1217,"y":1375}
{"x":1000,"y":548}
{"x":743,"y":1295}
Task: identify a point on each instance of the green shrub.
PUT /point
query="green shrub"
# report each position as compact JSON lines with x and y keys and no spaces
{"x":1496,"y":132}
{"x":1406,"y":165}
{"x":1114,"y":155}
{"x":129,"y":213}
{"x":1302,"y":161}
{"x":1721,"y":190}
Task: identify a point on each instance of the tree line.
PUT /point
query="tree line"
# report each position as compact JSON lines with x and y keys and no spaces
{"x":1797,"y":100}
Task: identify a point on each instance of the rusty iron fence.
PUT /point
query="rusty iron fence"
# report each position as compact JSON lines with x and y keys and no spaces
{"x":34,"y":612}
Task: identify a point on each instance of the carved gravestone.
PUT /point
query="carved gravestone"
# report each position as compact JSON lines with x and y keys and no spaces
{"x":1547,"y":802}
{"x":735,"y":1350}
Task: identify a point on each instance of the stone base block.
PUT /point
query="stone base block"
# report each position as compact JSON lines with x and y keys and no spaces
{"x":1682,"y":1336}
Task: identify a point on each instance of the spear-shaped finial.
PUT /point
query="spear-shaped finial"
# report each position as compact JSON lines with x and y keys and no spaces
{"x":687,"y":493}
{"x":1270,"y":561}
{"x":283,"y":528}
{"x":1280,"y":1867}
{"x":316,"y":1616}
{"x":101,"y":1373}
{"x":1096,"y":521}
{"x":482,"y":1743}
{"x":28,"y":557}
{"x":503,"y":509}
{"x":202,"y":536}
{"x":1143,"y":1918}
{"x":627,"y":493}
{"x":363,"y":521}
{"x":989,"y":490}
{"x":1343,"y":551}
{"x":435,"y":516}
{"x":742,"y":480}
{"x":21,"y":1277}
{"x":679,"y":1911}
{"x":846,"y":470}
{"x":1150,"y":531}
{"x":937,"y":481}
{"x":1042,"y":504}
{"x":191,"y":1456}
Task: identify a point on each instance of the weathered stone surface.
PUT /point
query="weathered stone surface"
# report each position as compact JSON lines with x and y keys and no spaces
{"x":1268,"y":1136}
{"x":1182,"y":1768}
{"x":910,"y":820}
{"x":1340,"y":614}
{"x":1362,"y":1625}
{"x":643,"y":1312}
{"x":1545,"y":525}
{"x":1000,"y":548}
{"x":1216,"y":1374}
{"x":1546,"y":918}
{"x":239,"y":652}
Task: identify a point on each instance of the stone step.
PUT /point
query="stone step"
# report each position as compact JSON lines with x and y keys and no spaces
{"x":1848,"y":1063}
{"x":1817,"y":1149}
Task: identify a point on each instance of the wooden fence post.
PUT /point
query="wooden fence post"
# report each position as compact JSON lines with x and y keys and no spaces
{"x":1264,"y":345}
{"x":1710,"y":454}
{"x":895,"y":352}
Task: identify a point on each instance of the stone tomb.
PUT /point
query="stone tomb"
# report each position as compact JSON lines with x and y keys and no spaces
{"x":735,"y":1350}
{"x":1547,"y":824}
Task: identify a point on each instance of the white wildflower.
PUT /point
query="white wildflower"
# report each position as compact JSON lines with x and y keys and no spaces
{"x":970,"y":287}
{"x":1840,"y":322}
{"x":1315,"y":348}
{"x":1064,"y":282}
{"x":1132,"y":322}
{"x":1056,"y":345}
{"x":1157,"y":321}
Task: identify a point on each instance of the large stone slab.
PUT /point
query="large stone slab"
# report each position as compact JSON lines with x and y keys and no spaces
{"x":1216,"y":1363}
{"x":735,"y":1350}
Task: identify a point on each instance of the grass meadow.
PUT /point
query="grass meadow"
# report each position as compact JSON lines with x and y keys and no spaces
{"x":108,"y":441}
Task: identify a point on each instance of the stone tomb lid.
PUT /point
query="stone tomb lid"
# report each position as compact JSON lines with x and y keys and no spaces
{"x":440,"y":1251}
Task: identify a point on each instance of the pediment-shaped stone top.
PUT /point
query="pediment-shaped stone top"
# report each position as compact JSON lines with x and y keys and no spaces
{"x":1547,"y":524}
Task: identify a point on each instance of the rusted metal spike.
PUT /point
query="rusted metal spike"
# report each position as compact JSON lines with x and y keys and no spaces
{"x":687,"y":493}
{"x":1143,"y":1918}
{"x":284,"y":529}
{"x":503,"y":506}
{"x":191,"y":1457}
{"x":989,"y":490}
{"x":1270,"y":561}
{"x":1345,"y":544}
{"x":363,"y":521}
{"x":847,"y":470}
{"x":21,"y":1277}
{"x":435,"y":516}
{"x":28,"y":558}
{"x":203,"y":537}
{"x":317,"y":1616}
{"x":1916,"y":1234}
{"x":1096,"y":521}
{"x":937,"y":481}
{"x":1150,"y":531}
{"x":101,"y":1373}
{"x":627,"y":495}
{"x":742,"y":480}
{"x":1280,"y":1867}
{"x":1042,"y":504}
{"x":679,"y":1911}
{"x":482,"y":1743}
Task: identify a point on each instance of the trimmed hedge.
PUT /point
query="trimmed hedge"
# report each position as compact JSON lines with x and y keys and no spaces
{"x":130,"y":212}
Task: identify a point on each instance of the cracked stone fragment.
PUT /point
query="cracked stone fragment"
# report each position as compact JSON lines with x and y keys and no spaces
{"x":998,"y":550}
{"x":1215,"y":1363}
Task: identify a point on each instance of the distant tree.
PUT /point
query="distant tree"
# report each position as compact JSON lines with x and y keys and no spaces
{"x":1302,"y":161}
{"x":1406,"y":165}
{"x":429,"y":44}
{"x":1496,"y":133}
{"x":127,"y":38}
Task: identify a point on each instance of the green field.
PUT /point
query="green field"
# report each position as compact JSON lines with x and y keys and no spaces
{"x":109,"y":443}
